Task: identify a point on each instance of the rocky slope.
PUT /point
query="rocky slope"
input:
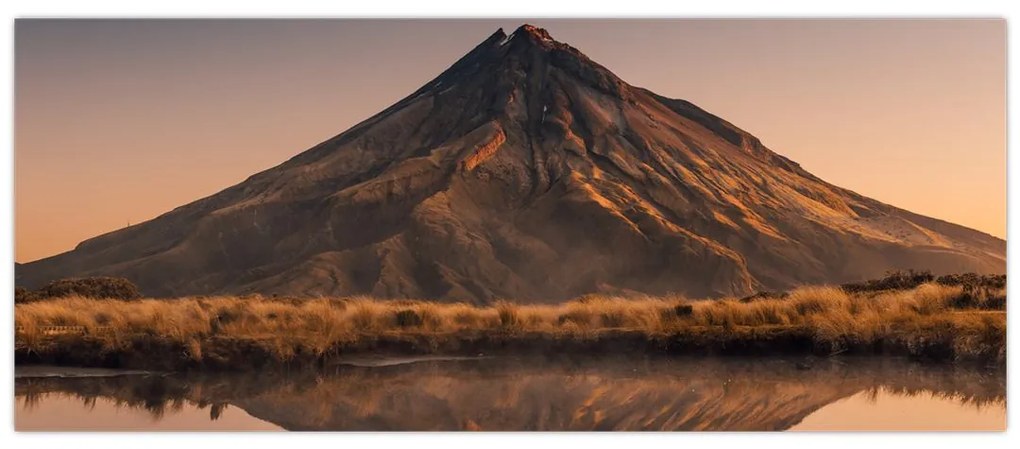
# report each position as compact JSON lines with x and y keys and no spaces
{"x":526,"y":171}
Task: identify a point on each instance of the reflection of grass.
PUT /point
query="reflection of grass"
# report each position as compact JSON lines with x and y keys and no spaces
{"x":976,"y":401}
{"x":514,"y":393}
{"x":156,"y":407}
{"x":923,"y":321}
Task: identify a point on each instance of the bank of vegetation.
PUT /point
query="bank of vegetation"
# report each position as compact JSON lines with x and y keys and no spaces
{"x":963,"y":320}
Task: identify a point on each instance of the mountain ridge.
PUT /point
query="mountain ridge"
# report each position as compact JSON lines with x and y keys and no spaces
{"x":527,"y":171}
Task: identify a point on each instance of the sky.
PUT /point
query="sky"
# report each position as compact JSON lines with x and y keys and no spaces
{"x":119,"y":121}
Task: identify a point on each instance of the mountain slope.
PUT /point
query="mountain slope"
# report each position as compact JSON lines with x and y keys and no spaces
{"x":526,"y":171}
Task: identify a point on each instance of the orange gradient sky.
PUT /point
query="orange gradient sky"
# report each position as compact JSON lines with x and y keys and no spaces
{"x":117,"y":122}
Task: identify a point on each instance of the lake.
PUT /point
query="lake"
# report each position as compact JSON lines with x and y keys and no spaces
{"x":511,"y":394}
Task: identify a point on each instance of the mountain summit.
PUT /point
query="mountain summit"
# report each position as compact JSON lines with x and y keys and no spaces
{"x":526,"y":171}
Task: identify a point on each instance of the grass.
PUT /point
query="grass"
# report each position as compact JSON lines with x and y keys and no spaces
{"x":930,"y":320}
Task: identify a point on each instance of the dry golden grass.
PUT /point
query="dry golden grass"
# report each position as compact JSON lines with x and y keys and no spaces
{"x":922,"y":320}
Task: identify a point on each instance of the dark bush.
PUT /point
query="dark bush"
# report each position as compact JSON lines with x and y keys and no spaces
{"x":974,"y":280}
{"x":966,"y":300}
{"x":893,"y":280}
{"x":995,"y":303}
{"x":22,"y":295}
{"x":408,"y":318}
{"x":764,"y":295}
{"x":979,"y":291}
{"x":682,"y":310}
{"x":95,"y":287}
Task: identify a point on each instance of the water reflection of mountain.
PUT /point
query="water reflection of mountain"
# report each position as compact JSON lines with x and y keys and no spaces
{"x":529,"y":394}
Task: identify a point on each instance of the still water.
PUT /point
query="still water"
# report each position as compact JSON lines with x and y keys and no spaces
{"x":554,"y":394}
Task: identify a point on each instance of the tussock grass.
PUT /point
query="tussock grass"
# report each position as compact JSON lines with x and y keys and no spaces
{"x":926,"y":320}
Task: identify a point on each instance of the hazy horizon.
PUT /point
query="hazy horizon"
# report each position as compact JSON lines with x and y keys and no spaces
{"x":120,"y":121}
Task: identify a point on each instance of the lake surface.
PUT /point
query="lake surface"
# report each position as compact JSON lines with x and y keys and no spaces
{"x":510,"y":394}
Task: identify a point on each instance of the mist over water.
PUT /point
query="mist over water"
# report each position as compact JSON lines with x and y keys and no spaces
{"x":544,"y":394}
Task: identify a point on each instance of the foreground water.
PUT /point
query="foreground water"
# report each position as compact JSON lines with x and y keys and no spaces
{"x":525,"y":394}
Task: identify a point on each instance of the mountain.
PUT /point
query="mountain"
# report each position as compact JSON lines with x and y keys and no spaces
{"x":526,"y":171}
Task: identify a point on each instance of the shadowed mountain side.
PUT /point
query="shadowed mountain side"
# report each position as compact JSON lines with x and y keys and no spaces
{"x":526,"y":171}
{"x":511,"y":394}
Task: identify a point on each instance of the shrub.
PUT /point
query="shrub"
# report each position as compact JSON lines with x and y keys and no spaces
{"x":764,"y":295}
{"x":974,"y":280}
{"x":906,"y":280}
{"x":965,"y":300}
{"x":995,"y":303}
{"x":672,"y":315}
{"x":23,"y":295}
{"x":94,"y":287}
{"x":893,"y":280}
{"x":683,"y":310}
{"x":977,"y":293}
{"x":408,"y":318}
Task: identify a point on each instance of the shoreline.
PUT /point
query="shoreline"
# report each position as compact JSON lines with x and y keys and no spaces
{"x":146,"y":352}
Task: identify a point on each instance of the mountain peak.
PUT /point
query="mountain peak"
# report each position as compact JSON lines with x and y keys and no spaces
{"x":535,"y":32}
{"x":499,"y":35}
